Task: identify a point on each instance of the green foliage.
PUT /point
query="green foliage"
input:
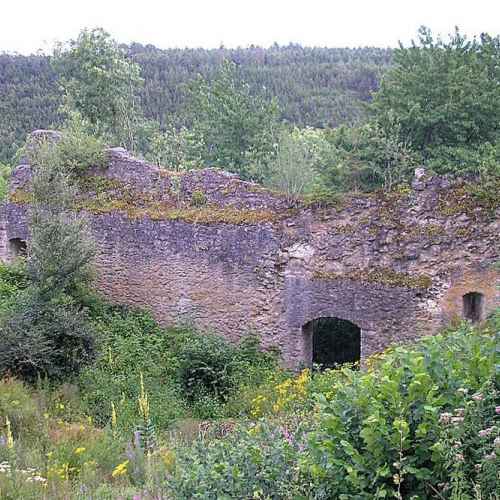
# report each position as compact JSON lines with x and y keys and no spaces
{"x":184,"y":372}
{"x":210,"y":369}
{"x":294,"y":169}
{"x":72,"y":151}
{"x":468,"y":448}
{"x":43,"y":337}
{"x":421,"y":421}
{"x":44,"y":330}
{"x":100,"y":83}
{"x":418,"y":422}
{"x":237,"y":129}
{"x":259,"y":461}
{"x":131,"y":345}
{"x":175,"y":149}
{"x":446,"y":98}
{"x":4,"y":181}
{"x":77,"y":150}
{"x":377,"y":434}
{"x":61,"y":248}
{"x":315,"y":86}
{"x":366,"y":158}
{"x":13,"y":279}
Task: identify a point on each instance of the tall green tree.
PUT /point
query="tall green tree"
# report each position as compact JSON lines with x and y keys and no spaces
{"x":294,"y":169}
{"x":238,"y":129}
{"x":446,"y":98}
{"x":101,"y":84}
{"x":365,"y":158}
{"x":45,"y":331}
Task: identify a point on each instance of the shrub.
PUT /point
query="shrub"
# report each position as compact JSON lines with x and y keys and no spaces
{"x":377,"y":434}
{"x":71,"y":151}
{"x":77,"y":150}
{"x":212,"y":370}
{"x":41,"y":338}
{"x":44,"y":330}
{"x":13,"y":279}
{"x":258,"y":461}
{"x":4,"y":180}
{"x":131,"y":345}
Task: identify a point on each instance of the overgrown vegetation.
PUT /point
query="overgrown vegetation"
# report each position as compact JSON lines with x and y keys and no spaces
{"x":44,"y":329}
{"x":421,"y":421}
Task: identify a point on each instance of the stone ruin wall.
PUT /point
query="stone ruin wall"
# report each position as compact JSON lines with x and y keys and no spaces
{"x":246,"y":261}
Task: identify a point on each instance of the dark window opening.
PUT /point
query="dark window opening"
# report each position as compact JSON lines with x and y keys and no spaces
{"x":334,"y":342}
{"x":17,"y":247}
{"x":473,"y":306}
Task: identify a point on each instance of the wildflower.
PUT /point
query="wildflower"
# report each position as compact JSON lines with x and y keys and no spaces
{"x":491,"y":457}
{"x":497,"y":442}
{"x":5,"y":467}
{"x":478,"y":397}
{"x":120,"y":469}
{"x":113,"y":417}
{"x":143,"y":401}
{"x":10,"y":437}
{"x":486,"y":432}
{"x":37,"y":478}
{"x":79,"y":450}
{"x":445,"y":418}
{"x":459,"y":457}
{"x":497,"y":410}
{"x":457,"y":420}
{"x":462,"y":391}
{"x":168,"y":457}
{"x":397,"y":479}
{"x":460,"y":412}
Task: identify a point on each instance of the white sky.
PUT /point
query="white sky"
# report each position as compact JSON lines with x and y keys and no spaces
{"x":29,"y":25}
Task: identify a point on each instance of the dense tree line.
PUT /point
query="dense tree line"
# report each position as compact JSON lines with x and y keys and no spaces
{"x":314,"y":86}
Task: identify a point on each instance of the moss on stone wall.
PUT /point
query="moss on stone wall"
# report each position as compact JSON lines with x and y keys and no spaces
{"x":471,"y":199}
{"x":102,"y":195}
{"x":383,"y":276}
{"x":20,"y":197}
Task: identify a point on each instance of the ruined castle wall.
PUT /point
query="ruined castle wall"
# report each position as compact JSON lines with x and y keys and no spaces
{"x":397,"y":264}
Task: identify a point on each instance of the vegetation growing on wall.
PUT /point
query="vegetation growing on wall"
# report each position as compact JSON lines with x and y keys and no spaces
{"x":379,"y":275}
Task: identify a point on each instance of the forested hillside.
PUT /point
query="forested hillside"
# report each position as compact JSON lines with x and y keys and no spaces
{"x":315,"y":86}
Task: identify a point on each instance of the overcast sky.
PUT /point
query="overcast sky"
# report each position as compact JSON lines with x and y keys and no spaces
{"x":29,"y":25}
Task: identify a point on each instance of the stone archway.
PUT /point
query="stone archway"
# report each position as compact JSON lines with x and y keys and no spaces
{"x":17,"y":248}
{"x":473,"y":306}
{"x":332,"y":341}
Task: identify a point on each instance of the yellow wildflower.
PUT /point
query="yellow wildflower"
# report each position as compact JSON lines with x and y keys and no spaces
{"x":168,"y":457}
{"x":79,"y":450}
{"x":120,"y":469}
{"x":10,"y":437}
{"x":143,"y":401}
{"x":113,"y":417}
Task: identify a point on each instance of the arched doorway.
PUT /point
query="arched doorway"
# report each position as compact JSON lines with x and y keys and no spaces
{"x":473,"y":306}
{"x":17,"y":247}
{"x":333,"y":341}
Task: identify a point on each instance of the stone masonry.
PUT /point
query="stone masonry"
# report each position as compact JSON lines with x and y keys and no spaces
{"x":232,"y":257}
